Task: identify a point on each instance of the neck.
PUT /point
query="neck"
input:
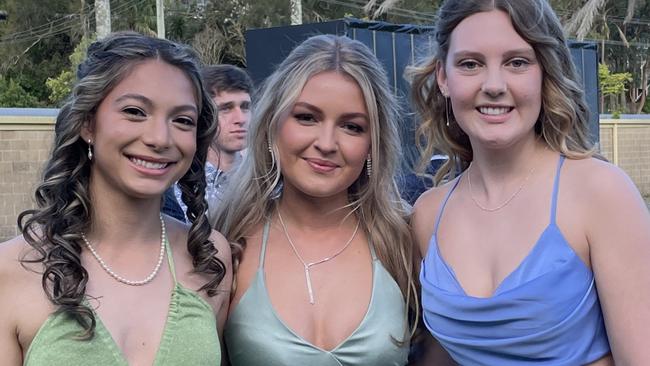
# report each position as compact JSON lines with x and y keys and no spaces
{"x":315,"y":213}
{"x":221,"y":159}
{"x":123,"y":221}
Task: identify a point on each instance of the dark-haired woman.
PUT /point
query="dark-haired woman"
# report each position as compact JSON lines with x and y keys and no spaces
{"x":99,"y":276}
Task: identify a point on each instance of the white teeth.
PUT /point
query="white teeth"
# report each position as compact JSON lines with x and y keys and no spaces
{"x":494,"y":110}
{"x":149,"y":164}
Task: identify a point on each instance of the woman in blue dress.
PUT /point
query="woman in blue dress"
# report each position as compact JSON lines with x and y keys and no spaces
{"x":535,"y":251}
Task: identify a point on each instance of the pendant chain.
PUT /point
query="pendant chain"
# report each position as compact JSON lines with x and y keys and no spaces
{"x":504,"y":204}
{"x":150,"y":277}
{"x":306,"y":265}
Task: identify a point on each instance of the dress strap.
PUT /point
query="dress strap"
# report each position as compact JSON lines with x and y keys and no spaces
{"x":444,"y":203}
{"x":556,"y":187}
{"x":170,"y":260}
{"x":373,"y":254}
{"x":265,"y":238}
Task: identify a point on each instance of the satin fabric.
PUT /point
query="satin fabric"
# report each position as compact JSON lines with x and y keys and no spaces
{"x":256,"y":336}
{"x":546,"y":312}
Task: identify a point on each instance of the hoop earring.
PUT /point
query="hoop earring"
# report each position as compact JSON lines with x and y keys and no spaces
{"x":90,"y":149}
{"x":447,"y":109}
{"x":369,"y":165}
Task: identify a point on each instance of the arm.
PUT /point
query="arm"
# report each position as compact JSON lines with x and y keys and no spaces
{"x":618,"y":233}
{"x":9,"y":346}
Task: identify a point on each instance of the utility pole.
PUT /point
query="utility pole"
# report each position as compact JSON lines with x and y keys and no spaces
{"x":103,"y":17}
{"x":296,"y":12}
{"x":160,"y":18}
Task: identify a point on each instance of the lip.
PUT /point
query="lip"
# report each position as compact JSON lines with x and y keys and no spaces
{"x":495,"y":118}
{"x":321,"y":165}
{"x":137,"y":160}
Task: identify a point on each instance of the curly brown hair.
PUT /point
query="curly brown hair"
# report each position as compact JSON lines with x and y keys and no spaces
{"x":64,"y":205}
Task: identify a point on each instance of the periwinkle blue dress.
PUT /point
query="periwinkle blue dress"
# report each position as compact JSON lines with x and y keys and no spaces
{"x":546,"y":312}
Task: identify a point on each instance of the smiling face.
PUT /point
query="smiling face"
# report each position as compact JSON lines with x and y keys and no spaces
{"x":144,"y":132}
{"x":324,"y":141}
{"x":234,"y":109}
{"x":493,"y":80}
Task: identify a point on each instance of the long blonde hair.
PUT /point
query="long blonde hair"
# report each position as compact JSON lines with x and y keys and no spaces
{"x":255,"y":187}
{"x":563,"y":120}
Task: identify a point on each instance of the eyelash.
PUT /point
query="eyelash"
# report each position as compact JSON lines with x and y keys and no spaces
{"x":353,"y":127}
{"x":304,"y":117}
{"x":185,"y":120}
{"x":134,"y":112}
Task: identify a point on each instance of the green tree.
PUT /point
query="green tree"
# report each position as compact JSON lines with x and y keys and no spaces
{"x":613,"y":85}
{"x":61,"y":85}
{"x":12,"y":95}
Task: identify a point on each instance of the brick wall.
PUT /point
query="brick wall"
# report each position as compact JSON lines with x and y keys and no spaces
{"x":24,"y":146}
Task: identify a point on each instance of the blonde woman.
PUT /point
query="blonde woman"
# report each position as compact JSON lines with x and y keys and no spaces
{"x":321,"y":245}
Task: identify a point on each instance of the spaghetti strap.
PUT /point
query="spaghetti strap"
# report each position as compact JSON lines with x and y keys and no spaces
{"x":265,"y":238}
{"x":444,"y":203}
{"x":372,"y":251}
{"x":556,"y":187}
{"x":170,"y":260}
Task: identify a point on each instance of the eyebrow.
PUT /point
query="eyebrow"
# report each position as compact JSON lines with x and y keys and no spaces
{"x":529,"y":52}
{"x":319,"y":111}
{"x":149,"y":104}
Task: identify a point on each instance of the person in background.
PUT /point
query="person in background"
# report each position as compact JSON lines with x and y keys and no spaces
{"x":98,"y":275}
{"x":324,"y":256}
{"x":535,"y":252}
{"x":230,"y":88}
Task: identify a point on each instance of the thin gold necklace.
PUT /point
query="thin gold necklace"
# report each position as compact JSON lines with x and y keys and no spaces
{"x":306,"y":265}
{"x":504,"y":204}
{"x":150,"y":277}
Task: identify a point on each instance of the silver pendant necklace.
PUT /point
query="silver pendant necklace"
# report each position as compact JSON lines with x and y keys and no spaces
{"x":306,"y":265}
{"x":150,"y":277}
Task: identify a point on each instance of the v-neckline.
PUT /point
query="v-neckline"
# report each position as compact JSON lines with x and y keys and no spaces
{"x":303,"y":339}
{"x":497,"y":290}
{"x":108,"y":339}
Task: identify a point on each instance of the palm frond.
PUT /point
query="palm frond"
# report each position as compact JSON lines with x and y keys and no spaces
{"x":385,"y":6}
{"x":581,"y":22}
{"x":631,"y":7}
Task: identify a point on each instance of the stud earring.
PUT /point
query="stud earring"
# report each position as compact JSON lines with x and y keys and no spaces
{"x":90,"y":149}
{"x":369,"y":165}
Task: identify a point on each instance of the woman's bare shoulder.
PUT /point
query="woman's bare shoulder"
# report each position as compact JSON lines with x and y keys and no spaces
{"x":425,"y":211}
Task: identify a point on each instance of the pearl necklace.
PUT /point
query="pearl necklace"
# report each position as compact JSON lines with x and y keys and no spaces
{"x":306,"y":265}
{"x":150,"y":277}
{"x":504,"y":204}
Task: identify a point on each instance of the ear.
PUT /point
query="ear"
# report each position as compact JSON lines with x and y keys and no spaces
{"x":441,"y":78}
{"x":87,"y":132}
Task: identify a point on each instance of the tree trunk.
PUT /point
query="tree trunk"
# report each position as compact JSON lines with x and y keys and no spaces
{"x":296,"y":12}
{"x":103,"y":17}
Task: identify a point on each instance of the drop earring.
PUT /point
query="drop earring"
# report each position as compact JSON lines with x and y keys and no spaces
{"x":447,"y":109}
{"x":90,"y":149}
{"x":369,"y":165}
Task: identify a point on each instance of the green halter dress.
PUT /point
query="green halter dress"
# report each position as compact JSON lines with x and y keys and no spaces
{"x":189,"y":338}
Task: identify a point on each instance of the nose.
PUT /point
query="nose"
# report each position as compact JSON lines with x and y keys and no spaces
{"x":326,"y":140}
{"x":240,"y":116}
{"x":156,"y":133}
{"x":494,"y":84}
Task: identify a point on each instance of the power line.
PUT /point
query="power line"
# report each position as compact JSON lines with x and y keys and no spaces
{"x":60,"y":25}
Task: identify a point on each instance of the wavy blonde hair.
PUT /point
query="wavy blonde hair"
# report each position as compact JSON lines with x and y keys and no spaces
{"x":254,"y":189}
{"x":563,"y":120}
